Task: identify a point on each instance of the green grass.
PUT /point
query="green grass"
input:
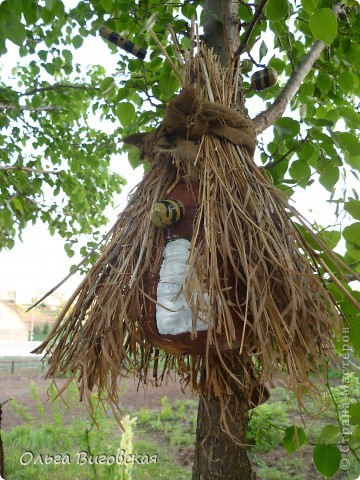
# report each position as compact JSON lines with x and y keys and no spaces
{"x":165,"y":433}
{"x":56,"y":445}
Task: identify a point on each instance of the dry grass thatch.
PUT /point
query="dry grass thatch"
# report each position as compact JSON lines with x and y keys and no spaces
{"x":276,"y":310}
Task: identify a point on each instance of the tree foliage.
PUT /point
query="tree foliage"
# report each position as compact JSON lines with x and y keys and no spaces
{"x":55,"y":166}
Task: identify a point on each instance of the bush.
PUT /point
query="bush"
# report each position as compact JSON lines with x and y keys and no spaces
{"x":263,"y":433}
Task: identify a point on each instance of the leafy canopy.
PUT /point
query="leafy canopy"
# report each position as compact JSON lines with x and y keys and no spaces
{"x":55,"y":166}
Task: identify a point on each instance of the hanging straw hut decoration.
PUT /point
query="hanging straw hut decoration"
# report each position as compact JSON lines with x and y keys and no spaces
{"x":205,"y":259}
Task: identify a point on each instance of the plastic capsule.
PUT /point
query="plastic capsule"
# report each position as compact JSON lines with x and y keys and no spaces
{"x":167,"y":212}
{"x":122,"y":42}
{"x":263,"y":79}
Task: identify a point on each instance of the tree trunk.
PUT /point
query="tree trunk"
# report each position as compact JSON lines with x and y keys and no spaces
{"x":221,"y":455}
{"x":221,"y":27}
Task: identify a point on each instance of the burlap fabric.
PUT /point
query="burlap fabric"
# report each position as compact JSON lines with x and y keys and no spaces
{"x":187,"y":119}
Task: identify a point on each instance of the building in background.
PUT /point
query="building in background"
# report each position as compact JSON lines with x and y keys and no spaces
{"x":13,"y":327}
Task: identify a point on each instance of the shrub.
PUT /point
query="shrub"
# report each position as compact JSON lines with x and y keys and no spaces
{"x":266,"y":426}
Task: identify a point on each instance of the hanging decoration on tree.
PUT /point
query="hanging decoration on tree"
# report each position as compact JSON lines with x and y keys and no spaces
{"x":122,"y":42}
{"x":265,"y":78}
{"x":206,"y":258}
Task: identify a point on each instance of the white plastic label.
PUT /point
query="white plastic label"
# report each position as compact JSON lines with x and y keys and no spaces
{"x":173,"y":313}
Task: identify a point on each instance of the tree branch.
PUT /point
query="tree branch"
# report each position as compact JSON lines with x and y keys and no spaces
{"x":31,"y":170}
{"x":266,"y":118}
{"x":250,"y":28}
{"x":279,"y":160}
{"x":23,"y":108}
{"x":57,"y":86}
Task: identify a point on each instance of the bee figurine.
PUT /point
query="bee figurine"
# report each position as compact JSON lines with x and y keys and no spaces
{"x":121,"y":42}
{"x":167,"y":212}
{"x":263,"y":79}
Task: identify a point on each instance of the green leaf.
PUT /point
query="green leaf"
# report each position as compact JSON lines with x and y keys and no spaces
{"x":330,"y":237}
{"x":17,"y":204}
{"x":349,"y":143}
{"x":244,"y":13}
{"x":30,"y":11}
{"x":356,"y":434}
{"x":108,"y":88}
{"x":347,"y":81}
{"x":188,"y":11}
{"x":353,"y":207}
{"x":309,"y":152}
{"x":328,"y":433}
{"x":50,"y":68}
{"x":300,"y":171}
{"x":47,"y":15}
{"x":329,"y":177}
{"x":354,"y":162}
{"x":14,"y":30}
{"x":286,"y":127}
{"x":327,"y":459}
{"x":70,"y":252}
{"x":77,"y":41}
{"x":276,"y":9}
{"x":36,"y":101}
{"x":352,"y":118}
{"x":126,"y":113}
{"x":43,"y":55}
{"x":168,"y":84}
{"x":309,"y":5}
{"x":263,"y":50}
{"x":351,"y":233}
{"x":353,"y":251}
{"x":277,"y":64}
{"x":6,"y":218}
{"x":294,"y":438}
{"x":49,"y":4}
{"x":323,"y":25}
{"x":354,"y":411}
{"x":122,"y":94}
{"x":333,"y":115}
{"x":134,"y":159}
{"x":106,"y":4}
{"x":324,"y":82}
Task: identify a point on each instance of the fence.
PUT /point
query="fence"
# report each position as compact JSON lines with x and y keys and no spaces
{"x":17,"y":366}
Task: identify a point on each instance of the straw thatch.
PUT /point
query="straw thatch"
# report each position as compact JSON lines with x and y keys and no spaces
{"x":245,"y":230}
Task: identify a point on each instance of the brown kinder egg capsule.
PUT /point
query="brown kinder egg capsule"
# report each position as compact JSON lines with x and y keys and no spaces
{"x":167,"y":212}
{"x":262,"y":79}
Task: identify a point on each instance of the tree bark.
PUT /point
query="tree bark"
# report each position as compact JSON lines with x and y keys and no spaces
{"x":268,"y":117}
{"x":221,"y":27}
{"x":221,"y":455}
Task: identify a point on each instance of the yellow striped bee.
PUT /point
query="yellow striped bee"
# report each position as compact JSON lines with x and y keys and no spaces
{"x":263,"y":79}
{"x":121,"y":42}
{"x":167,"y":212}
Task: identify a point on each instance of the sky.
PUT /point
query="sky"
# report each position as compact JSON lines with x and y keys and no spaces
{"x":38,"y":262}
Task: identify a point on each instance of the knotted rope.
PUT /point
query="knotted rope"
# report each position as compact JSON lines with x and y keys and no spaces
{"x":187,"y":119}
